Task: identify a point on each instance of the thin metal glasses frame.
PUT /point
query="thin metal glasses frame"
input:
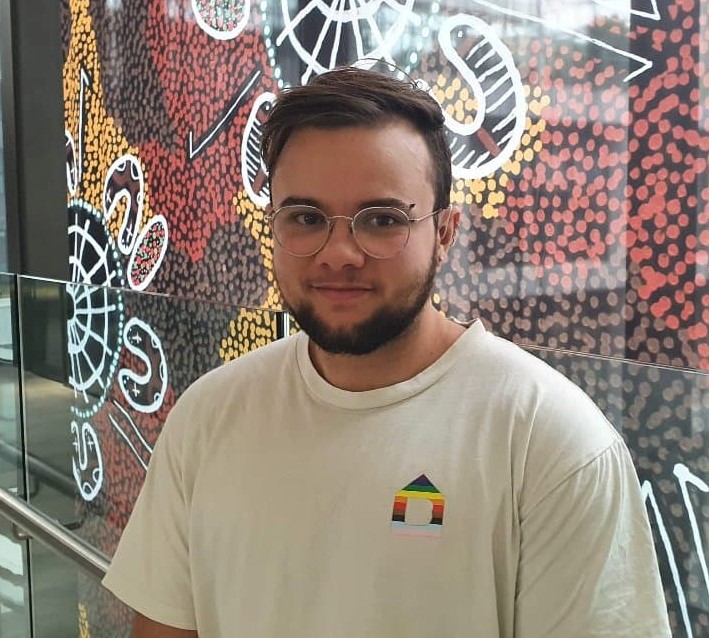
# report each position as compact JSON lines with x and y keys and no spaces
{"x":351,"y":221}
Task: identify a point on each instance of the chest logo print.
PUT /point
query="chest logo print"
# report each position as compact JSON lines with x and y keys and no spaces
{"x":420,"y":492}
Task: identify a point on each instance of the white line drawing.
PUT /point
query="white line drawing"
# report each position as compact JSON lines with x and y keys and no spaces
{"x":144,"y":391}
{"x":125,"y":181}
{"x":222,"y":19}
{"x":338,"y":14}
{"x":145,"y":446}
{"x":96,"y":310}
{"x":649,"y":496}
{"x":253,"y":170}
{"x":685,"y":476}
{"x":193,"y":151}
{"x":148,"y":253}
{"x":72,"y":170}
{"x":482,"y":146}
{"x":652,"y":13}
{"x":87,"y":461}
{"x":645,"y":63}
{"x":84,"y":81}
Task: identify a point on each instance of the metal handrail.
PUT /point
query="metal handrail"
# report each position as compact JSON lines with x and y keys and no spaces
{"x":38,"y":468}
{"x":52,"y":534}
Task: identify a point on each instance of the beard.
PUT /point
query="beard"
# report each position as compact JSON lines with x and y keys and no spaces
{"x":385,"y":325}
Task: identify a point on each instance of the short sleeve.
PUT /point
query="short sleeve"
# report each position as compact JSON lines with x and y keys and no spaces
{"x":150,"y":570}
{"x":587,"y":562}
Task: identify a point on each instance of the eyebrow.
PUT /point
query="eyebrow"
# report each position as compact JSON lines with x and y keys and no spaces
{"x":370,"y":203}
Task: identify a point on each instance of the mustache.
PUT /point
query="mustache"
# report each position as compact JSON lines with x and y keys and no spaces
{"x":345,"y":282}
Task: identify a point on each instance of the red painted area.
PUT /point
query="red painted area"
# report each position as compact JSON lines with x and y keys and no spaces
{"x":200,"y":78}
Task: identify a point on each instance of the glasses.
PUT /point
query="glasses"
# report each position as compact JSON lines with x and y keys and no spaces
{"x":381,"y":232}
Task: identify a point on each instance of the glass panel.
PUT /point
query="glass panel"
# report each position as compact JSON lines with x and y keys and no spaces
{"x":3,"y":202}
{"x":14,"y":592}
{"x":663,"y":415}
{"x":102,"y":368}
{"x":14,"y":598}
{"x":10,"y":425}
{"x":578,"y":130}
{"x":62,"y":597}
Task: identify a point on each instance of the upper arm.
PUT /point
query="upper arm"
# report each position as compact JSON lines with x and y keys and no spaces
{"x":145,"y":628}
{"x":150,"y":570}
{"x":587,"y":564}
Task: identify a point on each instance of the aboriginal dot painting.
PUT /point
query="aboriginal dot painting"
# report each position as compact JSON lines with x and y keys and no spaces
{"x":579,"y":133}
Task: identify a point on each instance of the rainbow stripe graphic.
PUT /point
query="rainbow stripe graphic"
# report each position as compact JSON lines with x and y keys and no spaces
{"x":422,"y":489}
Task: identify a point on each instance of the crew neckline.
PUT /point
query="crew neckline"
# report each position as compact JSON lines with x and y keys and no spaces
{"x":327,"y":393}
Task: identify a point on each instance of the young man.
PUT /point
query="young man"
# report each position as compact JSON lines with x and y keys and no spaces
{"x":387,"y":472}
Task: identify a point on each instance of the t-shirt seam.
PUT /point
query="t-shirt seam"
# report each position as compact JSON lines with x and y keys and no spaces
{"x":595,"y":455}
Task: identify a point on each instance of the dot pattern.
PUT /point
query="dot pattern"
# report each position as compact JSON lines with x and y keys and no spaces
{"x":662,"y":414}
{"x":600,"y":244}
{"x":591,"y":238}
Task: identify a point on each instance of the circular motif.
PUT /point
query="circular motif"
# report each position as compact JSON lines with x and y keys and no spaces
{"x":149,"y":251}
{"x":221,"y":19}
{"x":95,"y":313}
{"x":339,"y":32}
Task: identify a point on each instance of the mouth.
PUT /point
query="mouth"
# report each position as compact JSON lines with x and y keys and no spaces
{"x":340,"y":292}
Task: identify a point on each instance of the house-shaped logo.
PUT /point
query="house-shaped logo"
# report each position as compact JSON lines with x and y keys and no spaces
{"x":421,"y":490}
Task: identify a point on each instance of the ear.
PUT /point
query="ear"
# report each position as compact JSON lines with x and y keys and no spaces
{"x":448,"y":229}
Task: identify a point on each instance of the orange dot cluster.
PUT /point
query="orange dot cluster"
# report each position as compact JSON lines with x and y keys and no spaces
{"x":667,"y":231}
{"x":618,"y":196}
{"x":200,"y":79}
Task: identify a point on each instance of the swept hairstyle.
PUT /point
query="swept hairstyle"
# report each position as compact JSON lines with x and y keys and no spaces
{"x":350,"y":96}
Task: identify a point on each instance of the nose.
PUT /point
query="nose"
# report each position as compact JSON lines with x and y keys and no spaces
{"x":341,"y":250}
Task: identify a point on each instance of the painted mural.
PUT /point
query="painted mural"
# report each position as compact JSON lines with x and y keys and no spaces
{"x":580,"y":140}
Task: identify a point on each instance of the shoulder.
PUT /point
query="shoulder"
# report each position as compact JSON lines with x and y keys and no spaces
{"x":219,"y":396}
{"x":252,"y":369}
{"x":558,"y":428}
{"x":538,"y":389}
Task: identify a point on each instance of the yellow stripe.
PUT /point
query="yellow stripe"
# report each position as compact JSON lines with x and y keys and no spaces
{"x":428,"y":496}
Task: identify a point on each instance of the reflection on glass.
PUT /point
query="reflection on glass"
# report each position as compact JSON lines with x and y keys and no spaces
{"x":663,"y":415}
{"x":101,"y":369}
{"x":14,"y":595}
{"x":3,"y":203}
{"x":14,"y":608}
{"x":10,"y":432}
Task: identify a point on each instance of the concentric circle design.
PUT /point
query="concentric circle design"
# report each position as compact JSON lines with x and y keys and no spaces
{"x":96,"y":317}
{"x":325,"y":34}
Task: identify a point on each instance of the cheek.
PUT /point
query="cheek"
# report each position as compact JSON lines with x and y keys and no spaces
{"x":287,"y":268}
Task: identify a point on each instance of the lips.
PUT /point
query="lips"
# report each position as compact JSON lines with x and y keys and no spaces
{"x":340,"y":292}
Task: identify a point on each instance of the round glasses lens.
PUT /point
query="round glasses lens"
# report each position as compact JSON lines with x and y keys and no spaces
{"x":381,"y":232}
{"x":301,"y":230}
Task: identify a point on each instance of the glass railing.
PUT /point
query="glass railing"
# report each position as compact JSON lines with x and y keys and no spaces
{"x":14,"y":573}
{"x":95,"y":372}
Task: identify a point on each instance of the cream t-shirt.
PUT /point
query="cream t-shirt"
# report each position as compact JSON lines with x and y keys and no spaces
{"x":487,"y":496}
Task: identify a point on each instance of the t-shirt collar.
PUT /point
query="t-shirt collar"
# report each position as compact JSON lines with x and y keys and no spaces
{"x":368,"y":399}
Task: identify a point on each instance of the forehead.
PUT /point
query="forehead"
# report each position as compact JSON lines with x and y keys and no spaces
{"x":390,"y":159}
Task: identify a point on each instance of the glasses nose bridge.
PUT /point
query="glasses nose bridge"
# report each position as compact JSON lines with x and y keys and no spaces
{"x":331,"y":223}
{"x":351,"y":238}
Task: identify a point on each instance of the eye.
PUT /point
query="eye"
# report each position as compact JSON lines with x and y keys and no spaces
{"x":308,"y":218}
{"x":304,"y":217}
{"x":382,"y":218}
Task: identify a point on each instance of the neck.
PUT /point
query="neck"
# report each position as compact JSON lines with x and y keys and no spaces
{"x":422,"y":344}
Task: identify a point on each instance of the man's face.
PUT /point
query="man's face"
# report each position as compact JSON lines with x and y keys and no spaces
{"x":345,"y":300}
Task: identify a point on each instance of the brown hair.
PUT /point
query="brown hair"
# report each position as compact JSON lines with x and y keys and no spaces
{"x":349,"y":96}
